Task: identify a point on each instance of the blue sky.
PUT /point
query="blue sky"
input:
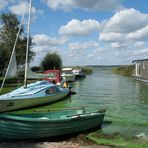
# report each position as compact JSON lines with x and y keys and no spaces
{"x":87,"y":32}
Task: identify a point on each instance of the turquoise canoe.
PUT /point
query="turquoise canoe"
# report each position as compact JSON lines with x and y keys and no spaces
{"x":47,"y":124}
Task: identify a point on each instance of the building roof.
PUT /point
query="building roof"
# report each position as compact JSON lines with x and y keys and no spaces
{"x":140,"y":60}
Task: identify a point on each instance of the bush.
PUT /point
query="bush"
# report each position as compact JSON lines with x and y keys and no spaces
{"x":51,"y":61}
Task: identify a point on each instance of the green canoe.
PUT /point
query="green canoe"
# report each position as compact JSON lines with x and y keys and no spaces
{"x":47,"y":124}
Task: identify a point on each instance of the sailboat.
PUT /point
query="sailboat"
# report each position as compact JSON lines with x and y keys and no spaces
{"x":29,"y":95}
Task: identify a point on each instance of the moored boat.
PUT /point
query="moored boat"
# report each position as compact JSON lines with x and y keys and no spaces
{"x":29,"y":95}
{"x":68,"y":75}
{"x":79,"y":73}
{"x":38,"y":93}
{"x":48,"y":124}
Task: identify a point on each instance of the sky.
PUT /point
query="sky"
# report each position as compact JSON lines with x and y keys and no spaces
{"x":86,"y":32}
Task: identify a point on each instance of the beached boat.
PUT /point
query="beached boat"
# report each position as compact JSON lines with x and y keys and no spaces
{"x":29,"y":95}
{"x":68,"y":75}
{"x":48,"y":124}
{"x":38,"y":93}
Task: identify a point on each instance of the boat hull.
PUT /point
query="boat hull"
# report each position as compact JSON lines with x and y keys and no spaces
{"x":80,"y":76}
{"x":14,"y":104}
{"x":11,"y":128}
{"x":38,"y":93}
{"x":69,"y":77}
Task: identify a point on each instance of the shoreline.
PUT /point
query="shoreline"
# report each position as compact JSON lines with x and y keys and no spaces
{"x":79,"y":141}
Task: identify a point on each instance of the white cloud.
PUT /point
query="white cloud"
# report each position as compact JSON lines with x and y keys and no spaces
{"x":4,"y":3}
{"x":84,"y":45}
{"x":76,"y":53}
{"x":44,"y":44}
{"x":44,"y":40}
{"x":20,"y":7}
{"x":84,"y":53}
{"x":99,"y":5}
{"x":117,"y":45}
{"x":139,"y":44}
{"x":57,"y":4}
{"x":74,"y":57}
{"x":41,"y":51}
{"x":124,"y":55}
{"x":105,"y":5}
{"x":123,"y":29}
{"x":141,"y":52}
{"x":135,"y":54}
{"x":125,"y":21}
{"x":80,"y":28}
{"x":112,"y":36}
{"x":141,"y":34}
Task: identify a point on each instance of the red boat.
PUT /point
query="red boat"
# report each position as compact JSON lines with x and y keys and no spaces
{"x":53,"y":76}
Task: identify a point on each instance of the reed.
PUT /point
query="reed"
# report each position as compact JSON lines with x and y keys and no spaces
{"x":126,"y":70}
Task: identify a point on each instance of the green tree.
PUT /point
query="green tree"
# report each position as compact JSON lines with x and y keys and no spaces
{"x":8,"y":32}
{"x":51,"y":61}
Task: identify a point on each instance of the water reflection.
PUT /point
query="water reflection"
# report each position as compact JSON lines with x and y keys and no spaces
{"x":142,"y":90}
{"x":125,"y":99}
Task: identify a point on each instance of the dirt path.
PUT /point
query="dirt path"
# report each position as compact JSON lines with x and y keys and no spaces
{"x":76,"y":142}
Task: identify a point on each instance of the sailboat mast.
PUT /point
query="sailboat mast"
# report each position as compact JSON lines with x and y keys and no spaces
{"x":27,"y":49}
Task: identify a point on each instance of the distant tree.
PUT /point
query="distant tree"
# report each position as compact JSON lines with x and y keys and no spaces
{"x":51,"y":61}
{"x":8,"y":32}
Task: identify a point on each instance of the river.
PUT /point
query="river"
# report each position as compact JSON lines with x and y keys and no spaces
{"x":125,"y":99}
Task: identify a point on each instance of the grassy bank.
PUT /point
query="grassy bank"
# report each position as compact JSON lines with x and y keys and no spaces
{"x":118,"y":141}
{"x":126,"y":70}
{"x":87,"y":70}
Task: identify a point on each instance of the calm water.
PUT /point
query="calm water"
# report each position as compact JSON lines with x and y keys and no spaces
{"x":125,"y":99}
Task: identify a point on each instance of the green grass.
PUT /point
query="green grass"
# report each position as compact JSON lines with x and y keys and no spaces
{"x":87,"y":70}
{"x":56,"y":105}
{"x":118,"y":141}
{"x":10,"y":80}
{"x":8,"y":88}
{"x":124,"y":70}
